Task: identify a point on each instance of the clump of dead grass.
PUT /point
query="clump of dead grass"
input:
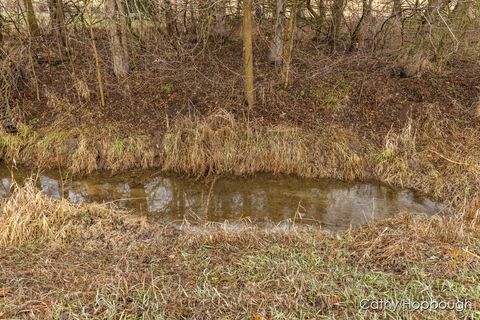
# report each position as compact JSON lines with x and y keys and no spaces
{"x":438,"y":157}
{"x":78,"y":150}
{"x":440,"y":243}
{"x":219,"y":144}
{"x":30,"y":217}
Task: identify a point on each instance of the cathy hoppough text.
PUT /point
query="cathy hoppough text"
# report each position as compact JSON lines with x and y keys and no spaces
{"x":407,"y":304}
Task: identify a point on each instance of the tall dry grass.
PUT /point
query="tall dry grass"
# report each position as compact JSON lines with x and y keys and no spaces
{"x":29,"y":217}
{"x":437,"y":156}
{"x":220,"y":144}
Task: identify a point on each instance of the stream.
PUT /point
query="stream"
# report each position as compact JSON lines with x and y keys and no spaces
{"x":264,"y":199}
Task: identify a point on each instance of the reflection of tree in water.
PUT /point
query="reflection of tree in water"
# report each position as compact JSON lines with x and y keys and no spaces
{"x":159,"y":194}
{"x":50,"y":187}
{"x":271,"y":199}
{"x":5,"y":186}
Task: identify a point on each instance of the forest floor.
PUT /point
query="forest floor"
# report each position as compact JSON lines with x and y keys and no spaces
{"x":347,"y":117}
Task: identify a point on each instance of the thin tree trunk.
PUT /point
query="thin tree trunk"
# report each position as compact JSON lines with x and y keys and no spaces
{"x":457,"y":23}
{"x":219,"y":28}
{"x":397,"y":9}
{"x":169,"y":18}
{"x":31,"y":19}
{"x":477,"y":107}
{"x":97,"y":67}
{"x":57,"y":18}
{"x":398,"y":13}
{"x":336,"y":23}
{"x":248,"y":53}
{"x":1,"y":33}
{"x":276,"y":47}
{"x":118,"y":37}
{"x":322,"y":10}
{"x":319,"y":17}
{"x":287,"y":52}
{"x":365,"y":18}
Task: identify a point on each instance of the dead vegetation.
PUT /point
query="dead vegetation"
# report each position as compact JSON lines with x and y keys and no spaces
{"x":219,"y":144}
{"x":31,"y":218}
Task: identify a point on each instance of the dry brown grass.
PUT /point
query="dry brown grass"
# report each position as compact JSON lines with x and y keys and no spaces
{"x":442,"y":243}
{"x":437,"y":156}
{"x":432,"y":154}
{"x":243,"y":275}
{"x":78,"y":150}
{"x":30,"y":217}
{"x":220,"y":144}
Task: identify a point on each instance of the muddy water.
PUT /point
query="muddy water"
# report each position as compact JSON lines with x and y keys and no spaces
{"x":263,"y":199}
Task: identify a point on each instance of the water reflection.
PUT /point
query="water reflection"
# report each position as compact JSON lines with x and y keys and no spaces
{"x":263,"y":199}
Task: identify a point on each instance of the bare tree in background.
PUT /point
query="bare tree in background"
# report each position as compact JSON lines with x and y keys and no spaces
{"x":118,"y":37}
{"x":32,"y":23}
{"x":319,"y":17}
{"x":1,"y":32}
{"x":57,"y":18}
{"x":276,"y":47}
{"x":287,"y":52}
{"x":169,"y":18}
{"x":219,"y":28}
{"x":416,"y":58}
{"x":335,"y":23}
{"x":248,"y":52}
{"x":365,"y":19}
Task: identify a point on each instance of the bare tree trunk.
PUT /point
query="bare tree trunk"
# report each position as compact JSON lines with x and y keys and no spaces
{"x":276,"y":47}
{"x":170,"y":18}
{"x":336,"y":23}
{"x":118,"y":37}
{"x":319,"y":16}
{"x":248,"y":53}
{"x":397,"y":9}
{"x":322,"y":10}
{"x":57,"y":18}
{"x":287,"y":52}
{"x":398,"y":13}
{"x":457,"y":22}
{"x":365,"y":18}
{"x":477,"y":107}
{"x":1,"y":33}
{"x":31,"y":19}
{"x":219,"y":28}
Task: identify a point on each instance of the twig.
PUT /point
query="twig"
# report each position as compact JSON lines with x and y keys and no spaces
{"x":476,"y":167}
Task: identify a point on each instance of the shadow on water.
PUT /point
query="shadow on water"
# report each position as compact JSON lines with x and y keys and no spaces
{"x":264,"y":199}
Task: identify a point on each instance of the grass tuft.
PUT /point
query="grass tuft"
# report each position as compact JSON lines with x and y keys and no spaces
{"x":30,"y":217}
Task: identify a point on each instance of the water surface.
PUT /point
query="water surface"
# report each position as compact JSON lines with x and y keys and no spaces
{"x":263,"y":199}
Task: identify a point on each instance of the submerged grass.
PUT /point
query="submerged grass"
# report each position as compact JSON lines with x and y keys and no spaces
{"x":89,"y":262}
